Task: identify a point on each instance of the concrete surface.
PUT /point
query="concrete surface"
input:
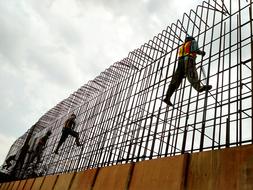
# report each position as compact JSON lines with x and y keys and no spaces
{"x":226,"y":169}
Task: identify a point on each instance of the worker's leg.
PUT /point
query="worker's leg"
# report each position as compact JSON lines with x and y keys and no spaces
{"x":37,"y":153}
{"x":64,"y":136}
{"x":33,"y":157}
{"x":76,"y":135}
{"x":192,"y":76}
{"x":175,"y":82}
{"x":7,"y":165}
{"x":39,"y":157}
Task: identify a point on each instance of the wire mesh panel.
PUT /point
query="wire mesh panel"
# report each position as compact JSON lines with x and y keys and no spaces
{"x":121,"y":116}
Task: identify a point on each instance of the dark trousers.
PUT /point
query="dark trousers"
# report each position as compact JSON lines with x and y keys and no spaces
{"x":37,"y":153}
{"x":65,"y":133}
{"x":7,"y":165}
{"x":186,"y":68}
{"x":8,"y":162}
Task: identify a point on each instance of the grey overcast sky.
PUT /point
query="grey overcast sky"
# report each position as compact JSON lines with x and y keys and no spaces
{"x":50,"y":48}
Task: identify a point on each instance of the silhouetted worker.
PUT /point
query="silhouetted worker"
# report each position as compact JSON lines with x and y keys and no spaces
{"x":186,"y":68}
{"x":8,"y":161}
{"x":40,"y":147}
{"x":67,"y":130}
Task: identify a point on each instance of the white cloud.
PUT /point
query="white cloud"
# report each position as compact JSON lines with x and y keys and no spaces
{"x":5,"y":142}
{"x":50,"y":48}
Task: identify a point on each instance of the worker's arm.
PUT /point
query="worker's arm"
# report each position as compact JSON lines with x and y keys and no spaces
{"x":73,"y":124}
{"x":195,"y":48}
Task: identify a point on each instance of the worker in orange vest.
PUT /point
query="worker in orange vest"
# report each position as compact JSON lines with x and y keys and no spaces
{"x":67,"y":130}
{"x":186,"y":68}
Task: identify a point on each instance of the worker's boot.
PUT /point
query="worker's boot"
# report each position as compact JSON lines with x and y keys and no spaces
{"x":205,"y":88}
{"x":167,"y":101}
{"x":78,"y":142}
{"x":169,"y":93}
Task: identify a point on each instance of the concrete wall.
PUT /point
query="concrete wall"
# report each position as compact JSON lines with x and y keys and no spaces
{"x":230,"y":168}
{"x":223,"y":169}
{"x":113,"y":178}
{"x":162,"y":173}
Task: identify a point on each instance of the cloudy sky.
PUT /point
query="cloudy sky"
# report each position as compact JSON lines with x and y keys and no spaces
{"x":50,"y":48}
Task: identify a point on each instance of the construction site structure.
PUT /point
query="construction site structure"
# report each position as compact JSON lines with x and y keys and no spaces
{"x":121,"y":118}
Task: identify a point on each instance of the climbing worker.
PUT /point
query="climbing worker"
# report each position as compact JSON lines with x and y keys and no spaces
{"x":40,"y":147}
{"x":8,"y":161}
{"x":67,"y":130}
{"x":186,"y":67}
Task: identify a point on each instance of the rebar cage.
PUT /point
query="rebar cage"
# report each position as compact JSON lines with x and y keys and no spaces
{"x":121,"y":117}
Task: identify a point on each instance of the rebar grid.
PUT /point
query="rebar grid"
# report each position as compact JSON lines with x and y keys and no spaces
{"x":121,"y":117}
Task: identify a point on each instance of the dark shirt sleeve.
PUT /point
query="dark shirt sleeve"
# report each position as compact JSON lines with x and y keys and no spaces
{"x":195,"y":47}
{"x":73,"y":124}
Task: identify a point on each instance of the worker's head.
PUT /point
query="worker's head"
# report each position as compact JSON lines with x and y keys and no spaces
{"x":73,"y":115}
{"x":189,"y":38}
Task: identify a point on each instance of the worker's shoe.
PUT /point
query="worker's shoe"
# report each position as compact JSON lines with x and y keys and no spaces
{"x":78,"y":143}
{"x":168,"y":102}
{"x":205,"y":88}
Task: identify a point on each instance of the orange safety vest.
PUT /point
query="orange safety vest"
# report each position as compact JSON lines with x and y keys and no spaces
{"x":185,"y":50}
